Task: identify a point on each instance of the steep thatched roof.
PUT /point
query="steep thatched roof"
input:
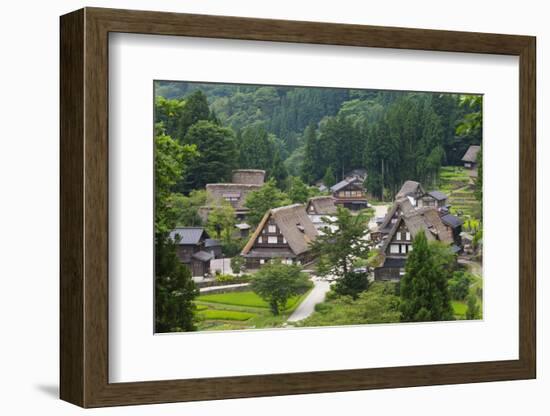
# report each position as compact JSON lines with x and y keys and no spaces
{"x":293,"y":223}
{"x":322,"y":205}
{"x":249,"y":176}
{"x":218,"y":192}
{"x":409,"y":188}
{"x":403,"y":204}
{"x":424,"y":220}
{"x":471,"y":154}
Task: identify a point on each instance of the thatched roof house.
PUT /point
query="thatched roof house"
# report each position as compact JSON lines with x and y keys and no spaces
{"x":321,"y":205}
{"x":284,"y":233}
{"x":411,"y":189}
{"x":235,"y":193}
{"x":319,"y":208}
{"x":249,"y":176}
{"x":471,"y":154}
{"x":399,"y":207}
{"x":398,"y":243}
{"x":470,"y":159}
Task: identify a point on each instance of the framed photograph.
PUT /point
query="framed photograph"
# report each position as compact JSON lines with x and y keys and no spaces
{"x":255,"y":207}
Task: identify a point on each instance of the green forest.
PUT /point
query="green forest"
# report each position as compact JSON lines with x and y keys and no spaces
{"x":316,"y":134}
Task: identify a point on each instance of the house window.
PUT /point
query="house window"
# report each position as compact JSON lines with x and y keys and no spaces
{"x":284,"y":240}
{"x":407,"y":236}
{"x":467,"y":165}
{"x":403,"y":249}
{"x":410,"y":248}
{"x":272,"y":240}
{"x":394,"y":248}
{"x":260,"y":240}
{"x":272,"y":229}
{"x":262,"y":261}
{"x":398,"y":235}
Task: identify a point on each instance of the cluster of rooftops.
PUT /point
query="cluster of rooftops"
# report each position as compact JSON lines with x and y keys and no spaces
{"x":286,"y":232}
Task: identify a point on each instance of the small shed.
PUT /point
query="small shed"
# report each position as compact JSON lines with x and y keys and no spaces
{"x":470,"y":157}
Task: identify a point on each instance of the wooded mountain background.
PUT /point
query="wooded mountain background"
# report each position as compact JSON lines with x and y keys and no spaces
{"x":316,"y":133}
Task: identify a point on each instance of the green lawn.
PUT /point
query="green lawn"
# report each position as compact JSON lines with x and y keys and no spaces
{"x":240,"y":310}
{"x":246,"y":299}
{"x":226,"y":315}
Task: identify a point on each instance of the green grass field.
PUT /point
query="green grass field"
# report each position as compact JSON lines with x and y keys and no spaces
{"x":455,"y":182}
{"x":246,"y":299}
{"x":240,"y":310}
{"x":226,"y":315}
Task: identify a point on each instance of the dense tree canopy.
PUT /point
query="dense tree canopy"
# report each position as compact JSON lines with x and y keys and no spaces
{"x":175,"y":289}
{"x":262,"y":200}
{"x":321,"y":133}
{"x":217,"y":155}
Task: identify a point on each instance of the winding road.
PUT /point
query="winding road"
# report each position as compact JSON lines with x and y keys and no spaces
{"x":307,"y":307}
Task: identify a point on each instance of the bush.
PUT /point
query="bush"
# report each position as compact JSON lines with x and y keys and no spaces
{"x":459,"y":285}
{"x":237,"y":264}
{"x":351,"y":284}
{"x":225,"y":315}
{"x":224,"y":277}
{"x":377,"y":305}
{"x":232,"y":248}
{"x":473,"y":311}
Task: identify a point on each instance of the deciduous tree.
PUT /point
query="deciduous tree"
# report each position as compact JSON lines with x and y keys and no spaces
{"x":277,"y":282}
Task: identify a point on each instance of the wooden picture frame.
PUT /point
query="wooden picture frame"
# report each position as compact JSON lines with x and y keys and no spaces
{"x":84,"y":207}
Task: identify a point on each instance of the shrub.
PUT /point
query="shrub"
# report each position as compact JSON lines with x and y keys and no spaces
{"x":237,"y":264}
{"x":225,"y":315}
{"x":224,"y":277}
{"x":351,"y":284}
{"x":459,"y":285}
{"x":473,"y":311}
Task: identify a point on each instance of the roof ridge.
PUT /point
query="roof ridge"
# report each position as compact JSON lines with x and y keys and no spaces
{"x":285,"y":207}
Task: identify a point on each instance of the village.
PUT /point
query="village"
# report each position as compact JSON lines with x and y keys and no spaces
{"x":286,"y":235}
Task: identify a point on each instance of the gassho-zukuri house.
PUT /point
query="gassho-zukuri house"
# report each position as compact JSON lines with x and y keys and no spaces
{"x":284,"y":233}
{"x":398,"y":242}
{"x":243,"y":182}
{"x":470,"y":159}
{"x":319,"y":208}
